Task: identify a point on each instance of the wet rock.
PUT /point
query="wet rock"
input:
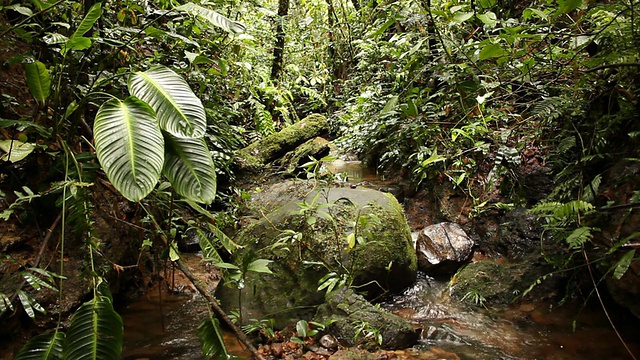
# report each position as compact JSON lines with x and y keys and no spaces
{"x":493,"y":282}
{"x":443,"y":248}
{"x":315,"y":148}
{"x":354,"y":317}
{"x":626,"y":290}
{"x":329,"y":341}
{"x":309,"y":237}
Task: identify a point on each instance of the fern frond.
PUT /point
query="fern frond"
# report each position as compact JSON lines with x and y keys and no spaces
{"x":579,"y":237}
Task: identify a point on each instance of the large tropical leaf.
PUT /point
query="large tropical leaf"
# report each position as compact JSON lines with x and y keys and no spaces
{"x":95,"y":332}
{"x":129,"y":146}
{"x":210,"y":336}
{"x":78,"y":41}
{"x":38,"y":80}
{"x":47,"y":346}
{"x":189,"y":168}
{"x":213,"y":17}
{"x":89,"y":20}
{"x":178,"y":109}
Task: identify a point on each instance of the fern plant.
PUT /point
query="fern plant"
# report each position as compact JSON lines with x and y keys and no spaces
{"x":159,"y":129}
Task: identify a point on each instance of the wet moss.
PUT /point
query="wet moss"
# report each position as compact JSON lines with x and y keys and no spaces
{"x":277,"y":144}
{"x":304,"y":250}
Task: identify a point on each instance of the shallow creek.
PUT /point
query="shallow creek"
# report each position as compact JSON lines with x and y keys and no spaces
{"x":166,"y":327}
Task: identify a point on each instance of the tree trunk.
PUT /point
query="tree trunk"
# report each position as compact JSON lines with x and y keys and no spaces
{"x":278,"y":50}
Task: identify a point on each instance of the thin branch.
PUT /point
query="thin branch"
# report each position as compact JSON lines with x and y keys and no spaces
{"x":616,"y":65}
{"x":201,"y":287}
{"x":595,"y":286}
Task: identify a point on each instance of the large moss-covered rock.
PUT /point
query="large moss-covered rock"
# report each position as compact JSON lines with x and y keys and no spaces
{"x":355,"y":321}
{"x":308,"y":238}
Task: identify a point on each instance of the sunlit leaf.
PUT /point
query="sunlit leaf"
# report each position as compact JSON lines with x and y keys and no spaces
{"x":29,"y":304}
{"x":260,"y":266}
{"x":491,"y":50}
{"x":15,"y":150}
{"x":213,"y":17}
{"x":179,"y":110}
{"x":89,"y":20}
{"x":189,"y":168}
{"x":129,"y":146}
{"x":462,"y":16}
{"x":38,"y":80}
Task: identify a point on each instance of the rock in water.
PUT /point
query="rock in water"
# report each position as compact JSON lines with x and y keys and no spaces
{"x":361,"y":235}
{"x":443,"y":248}
{"x":355,"y":321}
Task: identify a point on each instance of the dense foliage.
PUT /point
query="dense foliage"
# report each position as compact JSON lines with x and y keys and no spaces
{"x":469,"y":94}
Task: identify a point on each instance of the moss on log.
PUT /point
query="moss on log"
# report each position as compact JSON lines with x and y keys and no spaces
{"x":276,"y":145}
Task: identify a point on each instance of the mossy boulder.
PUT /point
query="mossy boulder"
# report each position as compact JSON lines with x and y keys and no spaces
{"x":494,"y":282}
{"x":355,"y":321}
{"x":310,"y":237}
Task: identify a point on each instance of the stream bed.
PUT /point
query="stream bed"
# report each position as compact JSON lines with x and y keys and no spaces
{"x":164,"y":326}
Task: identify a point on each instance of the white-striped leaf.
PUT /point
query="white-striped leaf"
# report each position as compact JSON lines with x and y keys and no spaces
{"x":189,"y":168}
{"x":213,"y":17}
{"x":178,"y":109}
{"x":129,"y":146}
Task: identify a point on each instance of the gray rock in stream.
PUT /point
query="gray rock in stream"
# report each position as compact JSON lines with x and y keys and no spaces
{"x":443,"y":248}
{"x":355,"y":321}
{"x":307,"y":238}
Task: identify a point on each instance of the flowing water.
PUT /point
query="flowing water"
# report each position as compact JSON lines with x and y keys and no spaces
{"x":165,"y":327}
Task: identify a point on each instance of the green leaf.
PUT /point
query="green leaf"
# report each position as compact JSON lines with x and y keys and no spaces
{"x":260,"y":266}
{"x":15,"y":150}
{"x":567,"y":6}
{"x":209,"y":249}
{"x":178,"y":109}
{"x":89,"y":20}
{"x":390,"y":105}
{"x":95,"y":332}
{"x":129,"y":146}
{"x":226,"y":265}
{"x":383,"y":28}
{"x":488,"y":18}
{"x":210,"y":335}
{"x":78,"y":43}
{"x":623,"y":264}
{"x":491,"y":51}
{"x":24,"y":125}
{"x":174,"y":255}
{"x":195,"y":59}
{"x":189,"y":168}
{"x":47,"y":346}
{"x":5,"y":303}
{"x":38,"y":80}
{"x":301,"y":328}
{"x":351,"y":240}
{"x":462,"y":16}
{"x":213,"y":18}
{"x":579,"y":236}
{"x":29,"y":304}
{"x":434,"y":158}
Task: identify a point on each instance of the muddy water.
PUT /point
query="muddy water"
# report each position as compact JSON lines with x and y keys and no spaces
{"x":165,"y":327}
